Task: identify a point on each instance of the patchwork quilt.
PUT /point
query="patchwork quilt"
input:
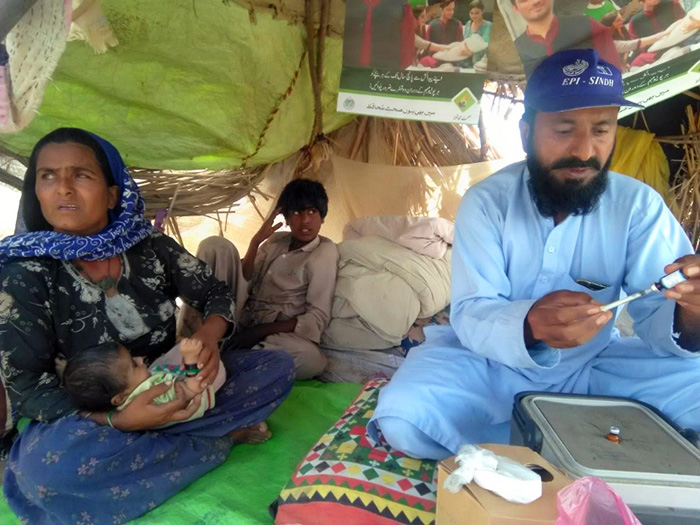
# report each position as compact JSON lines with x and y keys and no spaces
{"x":344,"y":479}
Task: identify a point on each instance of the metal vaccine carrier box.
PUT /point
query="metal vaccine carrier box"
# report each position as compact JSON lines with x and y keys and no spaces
{"x":645,"y":459}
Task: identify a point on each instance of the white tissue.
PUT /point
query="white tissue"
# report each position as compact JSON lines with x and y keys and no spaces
{"x":502,"y":476}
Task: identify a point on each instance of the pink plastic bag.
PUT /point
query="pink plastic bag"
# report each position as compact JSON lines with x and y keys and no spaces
{"x":591,"y":501}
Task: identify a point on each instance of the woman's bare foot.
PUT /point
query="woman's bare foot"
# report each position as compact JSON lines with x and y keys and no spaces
{"x":254,"y":434}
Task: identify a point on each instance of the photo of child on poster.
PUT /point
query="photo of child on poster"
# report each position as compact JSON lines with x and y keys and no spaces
{"x":638,"y":36}
{"x":415,"y":59}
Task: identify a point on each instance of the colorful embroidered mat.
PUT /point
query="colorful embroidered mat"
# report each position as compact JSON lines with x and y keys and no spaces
{"x":344,"y":479}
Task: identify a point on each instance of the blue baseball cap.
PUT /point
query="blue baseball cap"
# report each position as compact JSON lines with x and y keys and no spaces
{"x":575,"y":79}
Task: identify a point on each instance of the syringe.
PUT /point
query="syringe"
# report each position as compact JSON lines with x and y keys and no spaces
{"x":666,"y":282}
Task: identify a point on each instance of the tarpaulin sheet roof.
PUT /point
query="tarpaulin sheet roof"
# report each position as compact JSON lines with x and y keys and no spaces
{"x":190,"y":85}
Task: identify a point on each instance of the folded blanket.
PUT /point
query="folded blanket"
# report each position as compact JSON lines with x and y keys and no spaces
{"x":382,"y":288}
{"x":430,"y":236}
{"x":461,"y":50}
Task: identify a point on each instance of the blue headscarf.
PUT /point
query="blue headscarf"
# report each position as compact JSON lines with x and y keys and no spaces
{"x":127,"y":225}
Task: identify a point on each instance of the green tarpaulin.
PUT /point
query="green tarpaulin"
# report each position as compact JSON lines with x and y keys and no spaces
{"x":190,"y":85}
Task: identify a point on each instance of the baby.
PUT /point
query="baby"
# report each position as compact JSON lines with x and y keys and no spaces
{"x":106,"y":376}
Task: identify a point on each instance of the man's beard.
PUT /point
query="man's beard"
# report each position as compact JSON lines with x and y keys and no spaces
{"x":569,"y":197}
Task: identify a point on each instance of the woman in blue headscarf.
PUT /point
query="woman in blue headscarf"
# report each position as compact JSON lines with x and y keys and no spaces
{"x":89,"y":270}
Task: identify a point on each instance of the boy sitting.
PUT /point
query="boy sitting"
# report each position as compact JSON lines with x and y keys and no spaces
{"x":290,"y":278}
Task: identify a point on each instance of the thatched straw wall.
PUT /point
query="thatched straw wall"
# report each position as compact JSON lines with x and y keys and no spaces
{"x":686,"y":187}
{"x":410,"y":143}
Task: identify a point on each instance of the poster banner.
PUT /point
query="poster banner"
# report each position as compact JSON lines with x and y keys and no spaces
{"x":655,"y":43}
{"x":416,"y":60}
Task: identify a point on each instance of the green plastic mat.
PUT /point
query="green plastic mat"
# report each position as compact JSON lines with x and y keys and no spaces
{"x":240,"y":490}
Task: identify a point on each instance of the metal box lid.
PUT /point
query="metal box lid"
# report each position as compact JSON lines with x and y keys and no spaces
{"x":650,"y":449}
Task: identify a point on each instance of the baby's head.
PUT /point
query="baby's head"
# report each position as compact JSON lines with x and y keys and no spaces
{"x":102,"y":377}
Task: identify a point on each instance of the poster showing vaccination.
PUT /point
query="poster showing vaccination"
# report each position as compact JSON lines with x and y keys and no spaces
{"x":417,"y":59}
{"x":655,"y":43}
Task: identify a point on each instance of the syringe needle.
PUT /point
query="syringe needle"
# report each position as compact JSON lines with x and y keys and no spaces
{"x":665,"y":283}
{"x":626,"y":300}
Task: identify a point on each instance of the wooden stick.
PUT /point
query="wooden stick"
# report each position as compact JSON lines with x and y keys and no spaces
{"x":172,"y":201}
{"x":644,"y":119}
{"x":11,"y":154}
{"x":218,"y":221}
{"x":691,"y":94}
{"x":321,"y":46}
{"x":396,"y":145}
{"x":176,"y":230}
{"x":9,"y":179}
{"x":358,"y":137}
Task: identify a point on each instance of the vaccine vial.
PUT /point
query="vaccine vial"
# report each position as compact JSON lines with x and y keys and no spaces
{"x":670,"y":280}
{"x":613,"y":435}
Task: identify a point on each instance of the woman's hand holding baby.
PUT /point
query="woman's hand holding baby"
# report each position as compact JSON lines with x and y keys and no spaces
{"x":143,"y":414}
{"x":210,"y":334}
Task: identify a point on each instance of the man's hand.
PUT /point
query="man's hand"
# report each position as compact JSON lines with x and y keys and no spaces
{"x":687,"y":296}
{"x":143,"y":414}
{"x":564,"y":319}
{"x":265,"y":231}
{"x":250,"y":337}
{"x":246,"y":338}
{"x":267,"y":228}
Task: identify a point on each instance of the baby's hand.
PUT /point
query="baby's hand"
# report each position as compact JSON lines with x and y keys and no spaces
{"x":190,"y":349}
{"x":60,"y":363}
{"x":190,"y":345}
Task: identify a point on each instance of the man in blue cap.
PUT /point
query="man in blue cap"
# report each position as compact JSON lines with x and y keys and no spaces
{"x":539,"y":247}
